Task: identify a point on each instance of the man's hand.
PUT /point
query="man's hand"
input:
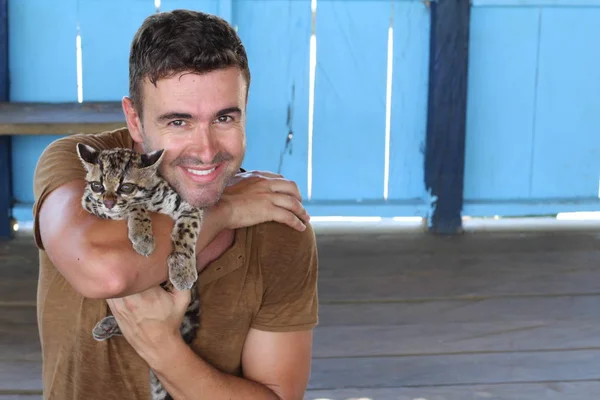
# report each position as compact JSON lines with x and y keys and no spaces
{"x":150,"y":318}
{"x":254,"y":197}
{"x":150,"y":322}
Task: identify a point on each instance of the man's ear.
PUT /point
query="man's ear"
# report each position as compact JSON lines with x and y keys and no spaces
{"x":88,"y":155}
{"x":134,"y":123}
{"x":152,"y":159}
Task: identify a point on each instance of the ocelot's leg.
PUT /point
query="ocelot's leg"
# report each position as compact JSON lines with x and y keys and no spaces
{"x":182,"y":261}
{"x":106,"y":328}
{"x":140,"y":231}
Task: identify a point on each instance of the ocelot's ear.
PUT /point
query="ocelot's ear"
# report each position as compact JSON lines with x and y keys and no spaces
{"x":152,"y":159}
{"x":88,"y":155}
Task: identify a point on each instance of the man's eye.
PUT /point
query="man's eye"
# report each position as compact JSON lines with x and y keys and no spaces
{"x":224,"y":118}
{"x":177,"y":122}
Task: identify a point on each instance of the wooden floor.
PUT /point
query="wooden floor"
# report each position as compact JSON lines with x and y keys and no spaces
{"x":409,"y":317}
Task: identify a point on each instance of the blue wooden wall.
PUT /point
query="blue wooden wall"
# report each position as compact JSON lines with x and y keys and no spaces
{"x":532,"y":144}
{"x":533,"y":127}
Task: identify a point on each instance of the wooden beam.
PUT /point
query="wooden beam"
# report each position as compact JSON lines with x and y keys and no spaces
{"x":446,"y":120}
{"x":5,"y":147}
{"x":59,"y":118}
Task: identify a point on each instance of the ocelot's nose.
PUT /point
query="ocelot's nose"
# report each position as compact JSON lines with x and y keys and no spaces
{"x":109,"y":203}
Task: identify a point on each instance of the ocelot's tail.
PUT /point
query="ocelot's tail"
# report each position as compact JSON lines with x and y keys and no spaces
{"x":157,"y":390}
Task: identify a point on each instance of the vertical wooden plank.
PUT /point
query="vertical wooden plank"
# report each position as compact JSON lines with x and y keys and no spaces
{"x":6,"y":196}
{"x":349,"y":110}
{"x":43,"y":68}
{"x":276,"y":35}
{"x":106,"y":46}
{"x":411,"y":25}
{"x":217,"y":7}
{"x":225,"y":10}
{"x":566,"y":157}
{"x":501,"y":103}
{"x":42,"y":55}
{"x":446,"y":122}
{"x":4,"y":79}
{"x":5,"y":147}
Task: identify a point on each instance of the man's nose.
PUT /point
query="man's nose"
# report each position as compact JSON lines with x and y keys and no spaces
{"x":206,"y":144}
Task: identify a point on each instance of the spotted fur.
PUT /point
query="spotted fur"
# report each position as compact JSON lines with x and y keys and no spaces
{"x":124,"y":184}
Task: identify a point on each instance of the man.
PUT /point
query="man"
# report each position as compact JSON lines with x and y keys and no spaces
{"x":257,"y":256}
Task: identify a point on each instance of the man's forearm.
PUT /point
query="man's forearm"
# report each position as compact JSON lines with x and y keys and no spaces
{"x":188,"y":377}
{"x":133,"y":272}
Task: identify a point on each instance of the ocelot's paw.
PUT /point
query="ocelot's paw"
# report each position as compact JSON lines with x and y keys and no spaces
{"x":144,"y":245}
{"x":182,"y":270}
{"x":106,"y":328}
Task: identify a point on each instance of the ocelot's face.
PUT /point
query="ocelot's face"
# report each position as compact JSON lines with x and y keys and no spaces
{"x":116,"y":181}
{"x":110,"y":197}
{"x":199,"y":120}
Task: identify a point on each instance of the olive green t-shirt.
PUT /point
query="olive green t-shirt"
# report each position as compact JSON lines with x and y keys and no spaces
{"x":266,"y":280}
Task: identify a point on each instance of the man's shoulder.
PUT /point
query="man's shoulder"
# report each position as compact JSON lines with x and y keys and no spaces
{"x":101,"y":140}
{"x":285,"y":252}
{"x":273,"y":236}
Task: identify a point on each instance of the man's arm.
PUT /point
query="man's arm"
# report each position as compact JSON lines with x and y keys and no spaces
{"x":95,"y":255}
{"x":276,"y":356}
{"x":276,"y":366}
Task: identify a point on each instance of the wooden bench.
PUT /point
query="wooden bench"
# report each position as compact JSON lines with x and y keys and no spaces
{"x":46,"y":119}
{"x":59,"y":118}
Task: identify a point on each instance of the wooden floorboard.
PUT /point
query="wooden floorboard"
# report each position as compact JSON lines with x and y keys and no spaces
{"x":20,"y":375}
{"x":455,"y":338}
{"x":414,"y":277}
{"x":460,"y":369}
{"x":15,"y":315}
{"x":365,"y":269}
{"x":498,"y":310}
{"x":21,"y":397}
{"x":20,"y":342}
{"x":518,"y":391}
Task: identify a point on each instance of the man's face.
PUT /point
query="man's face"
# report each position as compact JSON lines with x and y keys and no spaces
{"x":199,"y":119}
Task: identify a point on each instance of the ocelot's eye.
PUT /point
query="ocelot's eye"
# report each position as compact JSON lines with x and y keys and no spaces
{"x":127,"y":188}
{"x":97,"y":187}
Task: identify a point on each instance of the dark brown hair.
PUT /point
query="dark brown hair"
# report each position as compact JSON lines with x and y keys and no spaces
{"x":178,"y":41}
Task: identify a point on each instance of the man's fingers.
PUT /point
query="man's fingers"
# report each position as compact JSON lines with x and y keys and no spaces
{"x":290,"y":203}
{"x":182,"y":298}
{"x":288,"y":210}
{"x":284,"y":186}
{"x":285,"y":217}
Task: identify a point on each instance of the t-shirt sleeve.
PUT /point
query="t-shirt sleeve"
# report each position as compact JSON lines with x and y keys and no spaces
{"x":59,"y":164}
{"x":289,"y":268}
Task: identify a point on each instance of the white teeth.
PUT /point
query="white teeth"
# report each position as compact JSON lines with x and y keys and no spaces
{"x":201,"y":173}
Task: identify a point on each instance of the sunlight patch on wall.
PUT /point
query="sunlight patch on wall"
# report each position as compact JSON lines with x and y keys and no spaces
{"x":79,"y":66}
{"x":311,"y":93}
{"x":388,"y":106}
{"x":579,"y":216}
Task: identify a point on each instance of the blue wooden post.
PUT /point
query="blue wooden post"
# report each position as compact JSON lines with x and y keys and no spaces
{"x":446,"y":119}
{"x":5,"y":153}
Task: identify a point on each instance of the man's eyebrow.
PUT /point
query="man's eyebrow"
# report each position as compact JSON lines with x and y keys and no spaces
{"x":174,"y":115}
{"x":229,"y":110}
